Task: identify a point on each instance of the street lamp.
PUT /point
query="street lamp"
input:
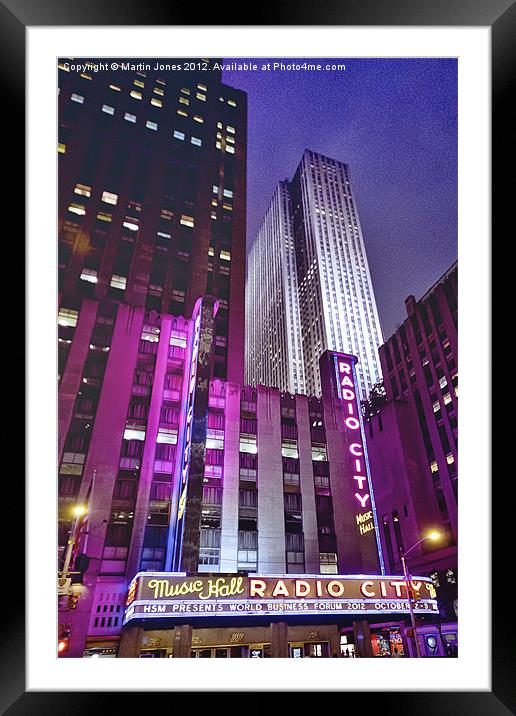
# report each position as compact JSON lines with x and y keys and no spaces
{"x":78,"y":512}
{"x":431,"y":536}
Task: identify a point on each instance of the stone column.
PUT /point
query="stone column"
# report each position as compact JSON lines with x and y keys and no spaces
{"x":182,"y":641}
{"x":130,"y":642}
{"x":279,"y":642}
{"x":363,"y":646}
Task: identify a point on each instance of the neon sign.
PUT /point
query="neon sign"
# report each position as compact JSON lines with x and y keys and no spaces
{"x":188,"y":410}
{"x":164,"y":594}
{"x":357,"y":452}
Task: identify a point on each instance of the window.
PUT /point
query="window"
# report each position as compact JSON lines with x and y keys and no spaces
{"x":179,"y":135}
{"x":196,"y":141}
{"x":78,"y":209}
{"x":328,"y":563}
{"x":248,"y":444}
{"x":118,"y":282}
{"x":130,"y":117}
{"x":186,"y":220}
{"x":156,"y":102}
{"x":89,"y":275}
{"x":289,"y":448}
{"x":319,"y":452}
{"x":82,"y":190}
{"x":67,"y":317}
{"x":135,"y":94}
{"x":77,"y":98}
{"x":108,"y":109}
{"x":214,"y":439}
{"x":151,"y":125}
{"x":109,"y":198}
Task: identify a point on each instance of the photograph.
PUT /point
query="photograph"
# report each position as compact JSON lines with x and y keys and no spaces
{"x":257,"y":357}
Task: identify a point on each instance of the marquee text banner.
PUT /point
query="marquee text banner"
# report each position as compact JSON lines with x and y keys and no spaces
{"x":167,"y":595}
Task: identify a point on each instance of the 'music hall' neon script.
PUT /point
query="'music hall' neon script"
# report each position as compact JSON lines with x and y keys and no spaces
{"x":346,"y":381}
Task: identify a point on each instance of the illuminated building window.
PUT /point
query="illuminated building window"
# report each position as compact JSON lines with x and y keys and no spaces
{"x":434,"y":467}
{"x":61,"y":148}
{"x":78,"y":209}
{"x":248,"y":444}
{"x":447,"y":398}
{"x":202,"y":87}
{"x":77,"y":98}
{"x":213,"y":215}
{"x":290,"y":478}
{"x":232,"y":103}
{"x":211,"y":251}
{"x":198,"y":118}
{"x":178,"y":338}
{"x":164,"y":235}
{"x":436,"y":406}
{"x":67,"y":317}
{"x":225,"y":255}
{"x":167,"y":435}
{"x":151,"y":125}
{"x":185,"y":90}
{"x":131,"y":223}
{"x":135,"y":95}
{"x":65,"y":68}
{"x":230,"y":129}
{"x":186,"y":220}
{"x":319,"y":452}
{"x":166,"y":215}
{"x":89,"y":275}
{"x":201,"y":96}
{"x":109,"y":198}
{"x":82,"y":190}
{"x":443,"y":382}
{"x":450,"y":459}
{"x":116,"y":88}
{"x":107,"y":109}
{"x":130,"y":117}
{"x":228,"y":193}
{"x":196,"y":141}
{"x":178,"y":296}
{"x":213,"y":471}
{"x":181,"y":113}
{"x":158,"y":91}
{"x":118,"y":282}
{"x":218,"y":145}
{"x":179,"y":135}
{"x":156,"y":102}
{"x":134,"y":433}
{"x":104,"y":216}
{"x":214,"y":439}
{"x":289,"y":448}
{"x":230,"y":140}
{"x":230,"y":149}
{"x":161,"y":82}
{"x":138,"y":83}
{"x":328,"y":563}
{"x":183,"y":100}
{"x":150,"y":333}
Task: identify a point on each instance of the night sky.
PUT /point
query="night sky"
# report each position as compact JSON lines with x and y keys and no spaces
{"x":394,"y":121}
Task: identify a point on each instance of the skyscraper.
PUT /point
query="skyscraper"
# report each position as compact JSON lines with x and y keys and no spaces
{"x":151,"y":218}
{"x":335,"y":296}
{"x":273,"y":325}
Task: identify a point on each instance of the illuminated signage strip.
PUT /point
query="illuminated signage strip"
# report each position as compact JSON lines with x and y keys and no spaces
{"x":366,"y":519}
{"x":171,"y":595}
{"x":262,"y":607}
{"x":187,"y":411}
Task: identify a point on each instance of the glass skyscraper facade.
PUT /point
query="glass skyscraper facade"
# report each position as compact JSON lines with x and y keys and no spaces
{"x":334,"y":294}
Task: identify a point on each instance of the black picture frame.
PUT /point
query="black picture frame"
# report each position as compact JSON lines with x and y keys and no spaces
{"x":500,"y":15}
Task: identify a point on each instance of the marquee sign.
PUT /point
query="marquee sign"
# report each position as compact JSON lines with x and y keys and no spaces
{"x":169,"y":595}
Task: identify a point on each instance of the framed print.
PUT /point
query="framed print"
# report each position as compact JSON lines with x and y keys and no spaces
{"x":252,"y":236}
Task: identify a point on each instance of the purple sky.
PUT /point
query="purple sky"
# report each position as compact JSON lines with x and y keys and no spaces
{"x":394,"y":121}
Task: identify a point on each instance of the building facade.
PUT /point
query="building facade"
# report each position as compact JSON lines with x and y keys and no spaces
{"x":412,"y":439}
{"x":273,"y":326}
{"x":335,"y":297}
{"x":152,"y":197}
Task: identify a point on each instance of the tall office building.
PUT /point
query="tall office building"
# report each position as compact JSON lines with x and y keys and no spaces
{"x":335,"y":298}
{"x":152,"y":191}
{"x":273,"y":324}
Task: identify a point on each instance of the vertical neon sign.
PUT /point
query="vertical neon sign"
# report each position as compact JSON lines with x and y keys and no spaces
{"x":188,"y":411}
{"x":363,"y":490}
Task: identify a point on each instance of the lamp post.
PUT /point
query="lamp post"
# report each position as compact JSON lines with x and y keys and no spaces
{"x":403,"y":555}
{"x":78,"y":512}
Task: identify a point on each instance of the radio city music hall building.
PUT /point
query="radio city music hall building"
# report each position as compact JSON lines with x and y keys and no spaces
{"x":222,"y":520}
